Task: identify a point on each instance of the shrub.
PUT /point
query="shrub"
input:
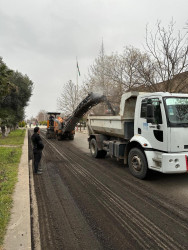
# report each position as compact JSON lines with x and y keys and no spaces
{"x":22,"y":124}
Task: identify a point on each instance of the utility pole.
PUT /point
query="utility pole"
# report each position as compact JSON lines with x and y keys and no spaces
{"x":76,"y":74}
{"x":102,"y":57}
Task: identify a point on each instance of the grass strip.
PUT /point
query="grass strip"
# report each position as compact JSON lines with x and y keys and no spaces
{"x":15,"y":137}
{"x":9,"y":162}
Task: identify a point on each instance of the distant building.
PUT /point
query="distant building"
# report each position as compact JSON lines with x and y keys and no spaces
{"x":179,"y":84}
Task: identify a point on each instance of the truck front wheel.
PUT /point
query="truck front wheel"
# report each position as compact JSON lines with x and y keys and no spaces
{"x":137,"y":163}
{"x":94,"y":150}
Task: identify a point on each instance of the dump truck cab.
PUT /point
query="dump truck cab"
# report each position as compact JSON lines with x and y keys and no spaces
{"x":150,"y":132}
{"x":161,"y":128}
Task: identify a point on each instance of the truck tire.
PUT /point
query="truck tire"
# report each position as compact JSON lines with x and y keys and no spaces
{"x":102,"y":153}
{"x":71,"y":137}
{"x":137,"y":163}
{"x":59,"y":137}
{"x":94,"y":150}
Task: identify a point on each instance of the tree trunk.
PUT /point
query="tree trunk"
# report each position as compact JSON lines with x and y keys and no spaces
{"x":8,"y":130}
{"x":3,"y":131}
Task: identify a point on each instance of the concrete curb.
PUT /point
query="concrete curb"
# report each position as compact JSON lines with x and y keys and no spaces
{"x":34,"y":212}
{"x":18,"y":235}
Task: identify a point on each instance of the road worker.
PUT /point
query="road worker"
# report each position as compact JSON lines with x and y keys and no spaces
{"x":37,"y":149}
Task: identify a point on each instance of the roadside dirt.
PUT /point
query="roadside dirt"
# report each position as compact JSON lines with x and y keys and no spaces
{"x":86,"y":203}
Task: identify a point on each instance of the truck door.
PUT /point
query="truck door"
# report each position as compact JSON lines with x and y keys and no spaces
{"x":155,"y":131}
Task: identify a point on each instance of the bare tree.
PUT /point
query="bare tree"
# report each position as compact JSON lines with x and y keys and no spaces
{"x":162,"y":66}
{"x":122,"y":69}
{"x":146,"y":74}
{"x":70,"y":97}
{"x":97,"y":81}
{"x":42,"y":116}
{"x":115,"y":74}
{"x":167,"y":58}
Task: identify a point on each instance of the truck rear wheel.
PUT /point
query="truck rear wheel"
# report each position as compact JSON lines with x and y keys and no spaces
{"x":137,"y":163}
{"x":102,"y":153}
{"x":71,"y":137}
{"x":59,"y":138}
{"x":94,"y":150}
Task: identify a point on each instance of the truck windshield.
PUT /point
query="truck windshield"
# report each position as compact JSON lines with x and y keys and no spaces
{"x":177,"y":111}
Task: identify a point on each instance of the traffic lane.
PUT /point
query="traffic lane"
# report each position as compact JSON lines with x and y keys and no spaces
{"x":119,"y":208}
{"x":173,"y":186}
{"x":81,"y":141}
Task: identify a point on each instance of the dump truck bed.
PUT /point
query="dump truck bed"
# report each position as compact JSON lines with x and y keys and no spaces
{"x":120,"y":126}
{"x":112,"y":125}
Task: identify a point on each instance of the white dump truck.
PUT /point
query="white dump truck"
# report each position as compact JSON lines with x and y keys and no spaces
{"x":150,"y":132}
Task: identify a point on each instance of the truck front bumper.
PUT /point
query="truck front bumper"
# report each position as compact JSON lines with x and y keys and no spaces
{"x":168,"y":162}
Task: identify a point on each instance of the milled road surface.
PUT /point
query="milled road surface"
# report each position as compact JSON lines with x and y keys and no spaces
{"x":87,"y":203}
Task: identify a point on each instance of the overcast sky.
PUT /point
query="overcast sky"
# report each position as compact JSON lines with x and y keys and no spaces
{"x":42,"y":38}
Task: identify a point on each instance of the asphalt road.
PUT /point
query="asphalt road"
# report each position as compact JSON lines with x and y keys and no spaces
{"x":87,"y":203}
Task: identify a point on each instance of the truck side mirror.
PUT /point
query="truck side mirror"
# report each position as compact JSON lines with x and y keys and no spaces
{"x":150,"y":113}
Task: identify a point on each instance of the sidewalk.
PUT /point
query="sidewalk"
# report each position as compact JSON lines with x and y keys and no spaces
{"x":84,"y":131}
{"x":18,"y":234}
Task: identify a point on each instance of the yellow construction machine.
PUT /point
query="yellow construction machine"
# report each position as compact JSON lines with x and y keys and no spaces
{"x":62,"y":128}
